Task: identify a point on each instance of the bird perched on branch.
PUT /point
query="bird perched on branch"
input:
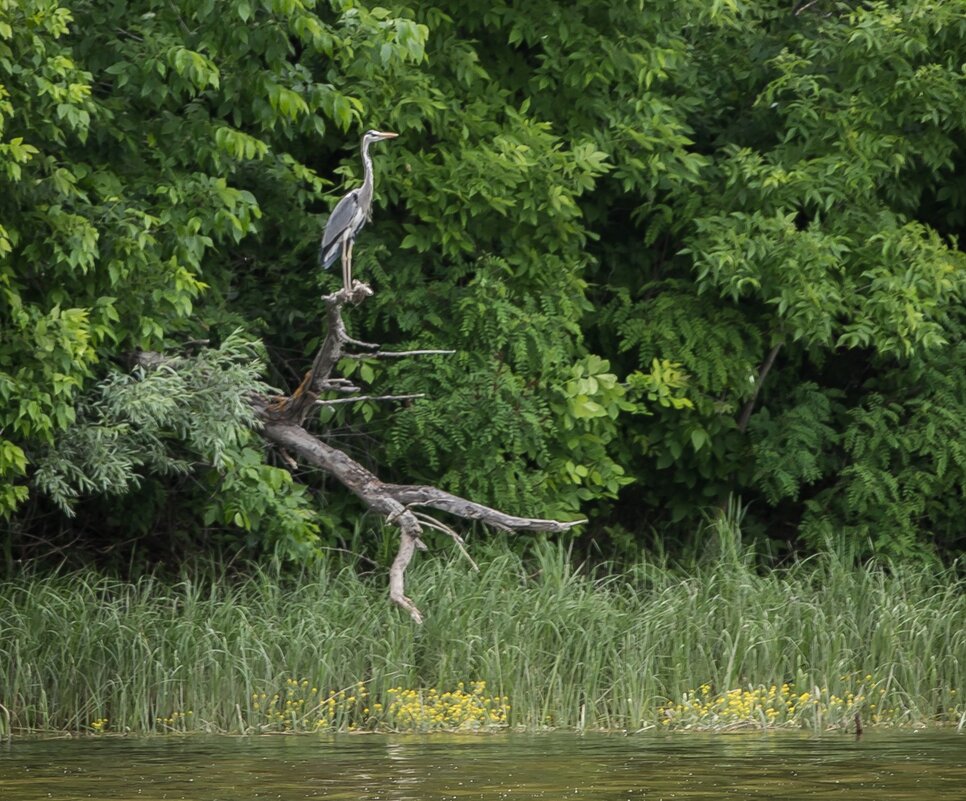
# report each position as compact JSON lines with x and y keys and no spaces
{"x":350,"y":214}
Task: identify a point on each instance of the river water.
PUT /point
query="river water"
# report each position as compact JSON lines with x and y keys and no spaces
{"x":892,"y":766}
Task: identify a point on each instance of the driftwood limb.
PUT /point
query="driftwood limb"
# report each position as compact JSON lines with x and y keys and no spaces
{"x":393,"y":502}
{"x":398,"y":354}
{"x":367,"y":487}
{"x":358,"y":398}
{"x":282,"y":424}
{"x":422,"y":495}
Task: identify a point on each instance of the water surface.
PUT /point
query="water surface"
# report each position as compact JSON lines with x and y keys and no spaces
{"x":891,"y":766}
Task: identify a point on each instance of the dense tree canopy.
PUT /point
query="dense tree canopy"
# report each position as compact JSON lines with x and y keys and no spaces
{"x":682,"y":250}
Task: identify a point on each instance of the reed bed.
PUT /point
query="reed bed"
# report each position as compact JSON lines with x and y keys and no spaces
{"x":530,"y":641}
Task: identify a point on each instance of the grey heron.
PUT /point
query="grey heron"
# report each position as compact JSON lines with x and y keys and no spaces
{"x":350,"y":214}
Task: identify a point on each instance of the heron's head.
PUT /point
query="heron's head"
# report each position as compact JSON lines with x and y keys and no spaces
{"x":378,"y":136}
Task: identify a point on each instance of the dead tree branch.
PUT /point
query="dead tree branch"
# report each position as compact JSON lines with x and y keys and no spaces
{"x":317,"y":380}
{"x":366,"y":486}
{"x":438,"y":525}
{"x":282,"y":424}
{"x":398,"y":354}
{"x":422,"y":495}
{"x":358,"y":398}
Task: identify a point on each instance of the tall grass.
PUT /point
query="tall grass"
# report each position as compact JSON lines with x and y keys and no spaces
{"x":569,"y":647}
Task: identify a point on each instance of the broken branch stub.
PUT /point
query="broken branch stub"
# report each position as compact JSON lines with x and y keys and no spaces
{"x":283,"y":420}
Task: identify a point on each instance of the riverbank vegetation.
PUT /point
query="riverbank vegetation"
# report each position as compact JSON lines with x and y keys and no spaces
{"x":530,"y":641}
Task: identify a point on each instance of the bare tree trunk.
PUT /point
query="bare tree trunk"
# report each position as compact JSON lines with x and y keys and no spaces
{"x":763,"y":371}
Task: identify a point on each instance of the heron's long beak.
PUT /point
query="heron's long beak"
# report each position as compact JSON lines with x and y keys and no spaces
{"x":387,"y":135}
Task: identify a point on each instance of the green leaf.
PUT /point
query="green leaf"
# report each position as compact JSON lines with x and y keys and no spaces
{"x":699,"y":438}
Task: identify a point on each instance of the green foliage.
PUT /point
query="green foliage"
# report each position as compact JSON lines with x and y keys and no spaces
{"x":681,"y":249}
{"x":128,"y":424}
{"x":603,"y":651}
{"x":591,"y":402}
{"x":905,"y":461}
{"x":820,"y":226}
{"x":485,"y":429}
{"x":790,"y":449}
{"x":265,"y":502}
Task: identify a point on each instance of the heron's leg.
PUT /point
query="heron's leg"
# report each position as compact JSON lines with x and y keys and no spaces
{"x":346,"y":251}
{"x":348,"y":267}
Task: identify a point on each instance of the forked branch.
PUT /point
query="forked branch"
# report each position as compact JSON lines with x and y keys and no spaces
{"x":318,"y":379}
{"x":283,"y":420}
{"x":394,"y":503}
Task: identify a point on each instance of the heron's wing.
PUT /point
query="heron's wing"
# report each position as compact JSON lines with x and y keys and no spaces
{"x":341,"y":218}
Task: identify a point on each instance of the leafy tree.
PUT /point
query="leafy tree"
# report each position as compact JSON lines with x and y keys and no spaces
{"x":681,"y":249}
{"x":806,"y":265}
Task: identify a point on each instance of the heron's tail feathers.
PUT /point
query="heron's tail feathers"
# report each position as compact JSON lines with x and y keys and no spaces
{"x":329,"y":254}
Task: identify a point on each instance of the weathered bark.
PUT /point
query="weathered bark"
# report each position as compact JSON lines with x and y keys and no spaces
{"x":297,"y":406}
{"x":422,"y":495}
{"x":283,"y":420}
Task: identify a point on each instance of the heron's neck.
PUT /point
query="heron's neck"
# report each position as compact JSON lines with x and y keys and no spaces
{"x":366,"y":170}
